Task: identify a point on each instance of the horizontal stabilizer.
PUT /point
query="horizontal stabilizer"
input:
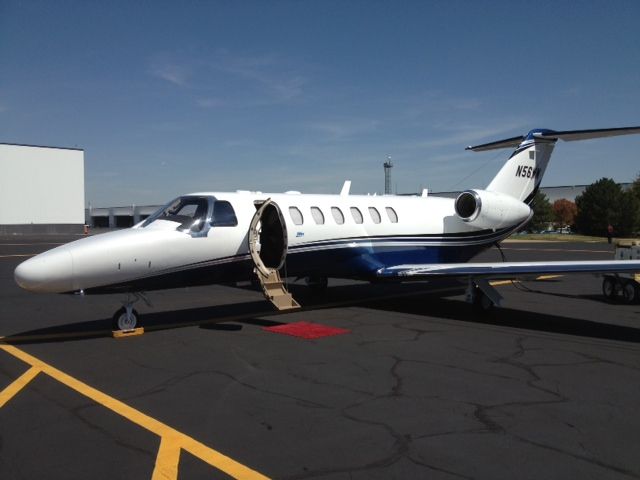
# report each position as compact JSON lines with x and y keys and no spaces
{"x":506,"y":143}
{"x":566,"y":135}
{"x":571,"y":135}
{"x":507,"y":270}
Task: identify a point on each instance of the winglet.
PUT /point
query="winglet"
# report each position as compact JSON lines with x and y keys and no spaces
{"x":345,"y":188}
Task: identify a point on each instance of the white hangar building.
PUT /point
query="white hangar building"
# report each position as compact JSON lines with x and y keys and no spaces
{"x":41,"y":189}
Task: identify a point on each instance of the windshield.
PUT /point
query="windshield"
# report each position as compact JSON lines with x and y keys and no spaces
{"x":190,"y":212}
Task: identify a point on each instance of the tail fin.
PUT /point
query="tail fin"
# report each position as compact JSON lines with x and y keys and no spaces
{"x":521,"y":175}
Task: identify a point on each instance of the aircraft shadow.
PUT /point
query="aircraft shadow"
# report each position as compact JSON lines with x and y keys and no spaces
{"x":218,"y":317}
{"x":507,"y":317}
{"x":418,"y":299}
{"x":213,"y":318}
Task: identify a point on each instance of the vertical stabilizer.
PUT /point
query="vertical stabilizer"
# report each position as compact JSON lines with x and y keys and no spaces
{"x":521,"y":175}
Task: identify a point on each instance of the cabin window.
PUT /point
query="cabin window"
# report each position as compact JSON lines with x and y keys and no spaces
{"x":223,"y":215}
{"x":296,"y":215}
{"x":375,"y":215}
{"x":317,"y":215}
{"x":337,"y":215}
{"x":391,"y":213}
{"x":357,"y":215}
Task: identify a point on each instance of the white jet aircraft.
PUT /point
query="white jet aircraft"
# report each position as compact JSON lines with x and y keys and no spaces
{"x":206,"y":238}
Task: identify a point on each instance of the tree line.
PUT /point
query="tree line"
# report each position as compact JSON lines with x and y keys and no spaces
{"x":602,"y":203}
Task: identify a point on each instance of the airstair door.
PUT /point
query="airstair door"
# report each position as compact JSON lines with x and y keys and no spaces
{"x":268,"y":249}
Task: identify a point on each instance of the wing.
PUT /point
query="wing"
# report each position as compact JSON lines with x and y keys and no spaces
{"x":506,"y":270}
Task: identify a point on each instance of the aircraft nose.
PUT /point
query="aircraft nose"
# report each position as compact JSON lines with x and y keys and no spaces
{"x":48,"y":272}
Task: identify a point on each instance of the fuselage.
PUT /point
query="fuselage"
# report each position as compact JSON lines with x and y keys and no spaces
{"x":348,"y":236}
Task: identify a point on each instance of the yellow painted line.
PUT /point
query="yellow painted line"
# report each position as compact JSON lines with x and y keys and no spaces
{"x":167,"y":460}
{"x":17,"y":385}
{"x":175,"y":438}
{"x":497,"y":283}
{"x":548,"y":277}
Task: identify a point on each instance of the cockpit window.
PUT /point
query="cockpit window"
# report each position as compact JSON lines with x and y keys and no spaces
{"x":189,"y":212}
{"x":223,"y":214}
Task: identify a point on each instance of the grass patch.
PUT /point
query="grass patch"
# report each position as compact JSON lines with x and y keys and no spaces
{"x":559,"y":237}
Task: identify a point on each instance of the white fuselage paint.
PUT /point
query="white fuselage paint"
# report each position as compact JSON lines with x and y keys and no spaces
{"x":159,"y":249}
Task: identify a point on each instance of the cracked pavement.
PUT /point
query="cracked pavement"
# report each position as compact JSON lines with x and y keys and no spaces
{"x":546,"y":387}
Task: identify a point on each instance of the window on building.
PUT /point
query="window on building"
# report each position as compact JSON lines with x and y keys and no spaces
{"x":317,"y":215}
{"x":337,"y":215}
{"x":391,"y":213}
{"x":375,"y":215}
{"x":296,"y":215}
{"x":357,"y":215}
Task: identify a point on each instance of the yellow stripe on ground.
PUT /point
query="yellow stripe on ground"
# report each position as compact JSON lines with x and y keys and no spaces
{"x":167,"y":460}
{"x":17,"y":385}
{"x":497,"y":283}
{"x":175,"y":438}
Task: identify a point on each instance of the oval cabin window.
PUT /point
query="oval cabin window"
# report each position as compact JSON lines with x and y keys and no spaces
{"x":317,"y":215}
{"x":375,"y":215}
{"x":337,"y":215}
{"x":357,"y":215}
{"x":393,"y":216}
{"x":296,"y":215}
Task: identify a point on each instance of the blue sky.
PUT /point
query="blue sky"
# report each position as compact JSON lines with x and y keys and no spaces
{"x":173,"y":97}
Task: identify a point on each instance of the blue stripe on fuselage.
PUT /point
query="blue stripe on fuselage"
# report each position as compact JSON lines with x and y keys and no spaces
{"x":356,"y":262}
{"x":357,"y":258}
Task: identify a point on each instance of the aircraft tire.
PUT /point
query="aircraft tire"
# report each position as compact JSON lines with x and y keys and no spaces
{"x":609,"y":287}
{"x":630,"y":292}
{"x":121,"y":322}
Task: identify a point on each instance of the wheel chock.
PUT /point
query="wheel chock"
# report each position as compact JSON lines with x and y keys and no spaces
{"x":127,"y":333}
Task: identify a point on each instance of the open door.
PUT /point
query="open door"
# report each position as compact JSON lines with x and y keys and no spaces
{"x":268,"y":249}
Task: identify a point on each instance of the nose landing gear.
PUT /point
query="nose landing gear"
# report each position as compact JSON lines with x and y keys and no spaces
{"x":126,"y":318}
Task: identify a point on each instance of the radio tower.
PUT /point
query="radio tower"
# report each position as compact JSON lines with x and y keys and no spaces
{"x":387,"y":176}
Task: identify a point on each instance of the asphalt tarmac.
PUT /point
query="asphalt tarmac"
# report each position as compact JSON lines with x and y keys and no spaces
{"x":546,"y":387}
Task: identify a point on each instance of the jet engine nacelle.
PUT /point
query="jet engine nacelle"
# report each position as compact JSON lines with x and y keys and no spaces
{"x":486,"y":209}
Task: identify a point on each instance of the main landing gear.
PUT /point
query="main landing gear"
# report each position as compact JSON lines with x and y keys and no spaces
{"x":126,"y":318}
{"x":615,"y":286}
{"x":482,"y":296}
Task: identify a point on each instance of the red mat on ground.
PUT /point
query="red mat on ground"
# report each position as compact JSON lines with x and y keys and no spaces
{"x":306,"y":330}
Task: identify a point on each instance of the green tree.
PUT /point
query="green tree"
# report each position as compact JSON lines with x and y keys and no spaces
{"x":542,"y":212}
{"x":629,"y":215}
{"x":598,"y":207}
{"x":635,"y":187}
